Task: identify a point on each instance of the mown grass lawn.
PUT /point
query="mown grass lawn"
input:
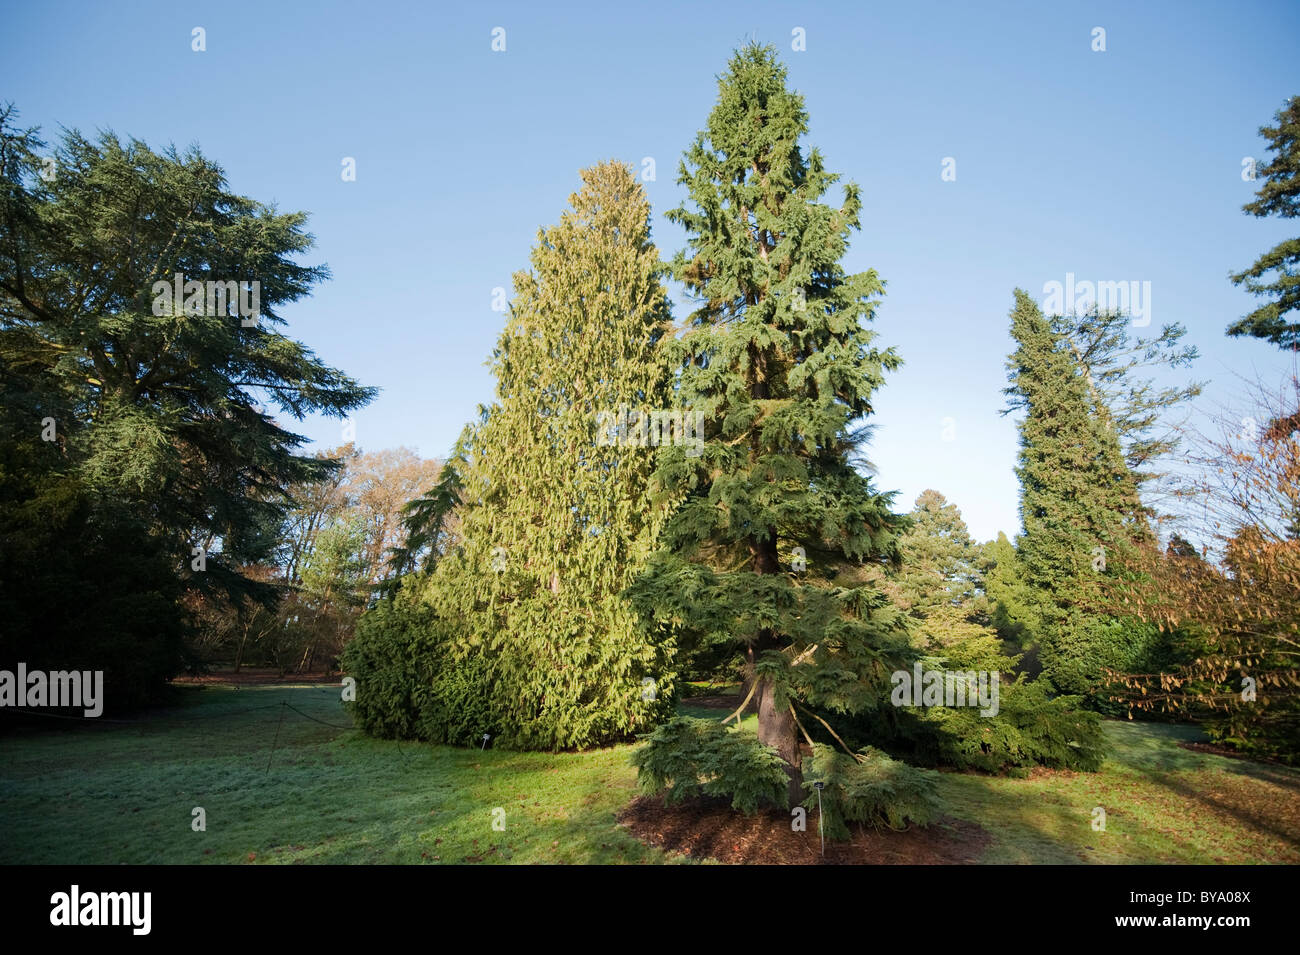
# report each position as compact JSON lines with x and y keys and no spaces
{"x":114,"y":792}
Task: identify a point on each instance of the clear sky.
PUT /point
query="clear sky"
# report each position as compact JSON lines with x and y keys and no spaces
{"x":1115,"y":166}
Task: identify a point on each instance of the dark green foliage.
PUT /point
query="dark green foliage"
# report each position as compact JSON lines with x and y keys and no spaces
{"x":876,"y":791}
{"x":409,"y":685}
{"x":939,"y":557}
{"x":83,"y":584}
{"x":686,"y":757}
{"x":774,"y":545}
{"x":81,"y":592}
{"x":1087,"y":644}
{"x":1011,"y":608}
{"x":1079,"y":503}
{"x":160,"y":444}
{"x":1032,"y":727}
{"x":1111,"y":360}
{"x":1275,"y":275}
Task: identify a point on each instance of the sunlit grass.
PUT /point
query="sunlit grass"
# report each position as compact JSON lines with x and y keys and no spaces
{"x":285,"y":786}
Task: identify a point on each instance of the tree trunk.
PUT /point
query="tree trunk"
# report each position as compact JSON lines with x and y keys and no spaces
{"x":776,"y":726}
{"x":777,"y":729}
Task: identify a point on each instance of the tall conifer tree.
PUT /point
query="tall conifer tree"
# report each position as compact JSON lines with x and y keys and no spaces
{"x":939,"y":557}
{"x":768,"y":548}
{"x":1079,"y":503}
{"x":555,"y":521}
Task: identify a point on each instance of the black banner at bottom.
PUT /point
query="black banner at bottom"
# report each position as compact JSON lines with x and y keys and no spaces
{"x":334,"y":903}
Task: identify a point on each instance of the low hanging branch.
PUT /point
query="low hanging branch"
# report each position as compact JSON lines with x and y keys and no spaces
{"x":858,"y":756}
{"x":752,"y":687}
{"x":800,"y":725}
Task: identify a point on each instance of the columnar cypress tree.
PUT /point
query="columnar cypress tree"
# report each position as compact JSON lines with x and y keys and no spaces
{"x":1078,"y":502}
{"x":768,"y":546}
{"x":556,"y":521}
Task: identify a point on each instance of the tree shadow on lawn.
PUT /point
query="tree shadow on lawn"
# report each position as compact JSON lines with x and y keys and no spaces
{"x":1256,"y":796}
{"x":1262,"y":797}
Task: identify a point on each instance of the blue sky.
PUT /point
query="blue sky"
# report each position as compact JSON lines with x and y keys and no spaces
{"x":1115,"y":165}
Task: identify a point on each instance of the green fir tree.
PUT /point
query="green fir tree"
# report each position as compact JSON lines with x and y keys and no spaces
{"x":1079,"y":502}
{"x":772,"y":545}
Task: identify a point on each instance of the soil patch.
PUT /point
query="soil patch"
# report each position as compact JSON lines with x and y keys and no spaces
{"x":254,"y":676}
{"x":710,"y":829}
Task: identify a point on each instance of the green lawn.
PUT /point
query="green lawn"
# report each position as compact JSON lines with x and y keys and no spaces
{"x":108,"y":793}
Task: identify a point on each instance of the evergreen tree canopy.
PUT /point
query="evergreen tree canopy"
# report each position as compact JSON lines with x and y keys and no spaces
{"x":161,"y":408}
{"x":767,"y":548}
{"x":939,"y":557}
{"x":1111,"y":360}
{"x":556,"y":521}
{"x":1079,"y":503}
{"x":1275,"y":275}
{"x":1012,"y":608}
{"x":135,"y":455}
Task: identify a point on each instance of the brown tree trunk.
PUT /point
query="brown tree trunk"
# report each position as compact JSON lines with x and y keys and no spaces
{"x":776,"y":726}
{"x":777,"y":729}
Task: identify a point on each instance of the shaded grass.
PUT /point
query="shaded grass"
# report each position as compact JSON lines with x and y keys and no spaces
{"x":109,"y":792}
{"x":1162,"y":803}
{"x":114,"y":793}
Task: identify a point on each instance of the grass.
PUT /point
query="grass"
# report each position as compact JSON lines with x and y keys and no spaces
{"x":115,"y":792}
{"x":1162,"y":803}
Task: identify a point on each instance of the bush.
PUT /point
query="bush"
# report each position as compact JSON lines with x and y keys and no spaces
{"x":1078,"y":654}
{"x":686,"y":757}
{"x":877,"y":792}
{"x":1031,"y":728}
{"x":409,"y":683}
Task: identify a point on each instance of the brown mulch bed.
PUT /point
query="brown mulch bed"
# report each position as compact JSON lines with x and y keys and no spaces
{"x":710,"y":829}
{"x":253,"y":676}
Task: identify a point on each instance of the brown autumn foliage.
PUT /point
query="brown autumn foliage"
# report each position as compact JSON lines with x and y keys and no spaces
{"x":304,"y":632}
{"x":1237,"y":618}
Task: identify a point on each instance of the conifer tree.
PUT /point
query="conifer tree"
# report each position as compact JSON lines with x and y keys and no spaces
{"x":164,"y":474}
{"x":768,"y":547}
{"x":1079,"y":502}
{"x":556,"y":520}
{"x":1011,"y":605}
{"x":1274,"y":276}
{"x":1112,"y":361}
{"x":939,"y":557}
